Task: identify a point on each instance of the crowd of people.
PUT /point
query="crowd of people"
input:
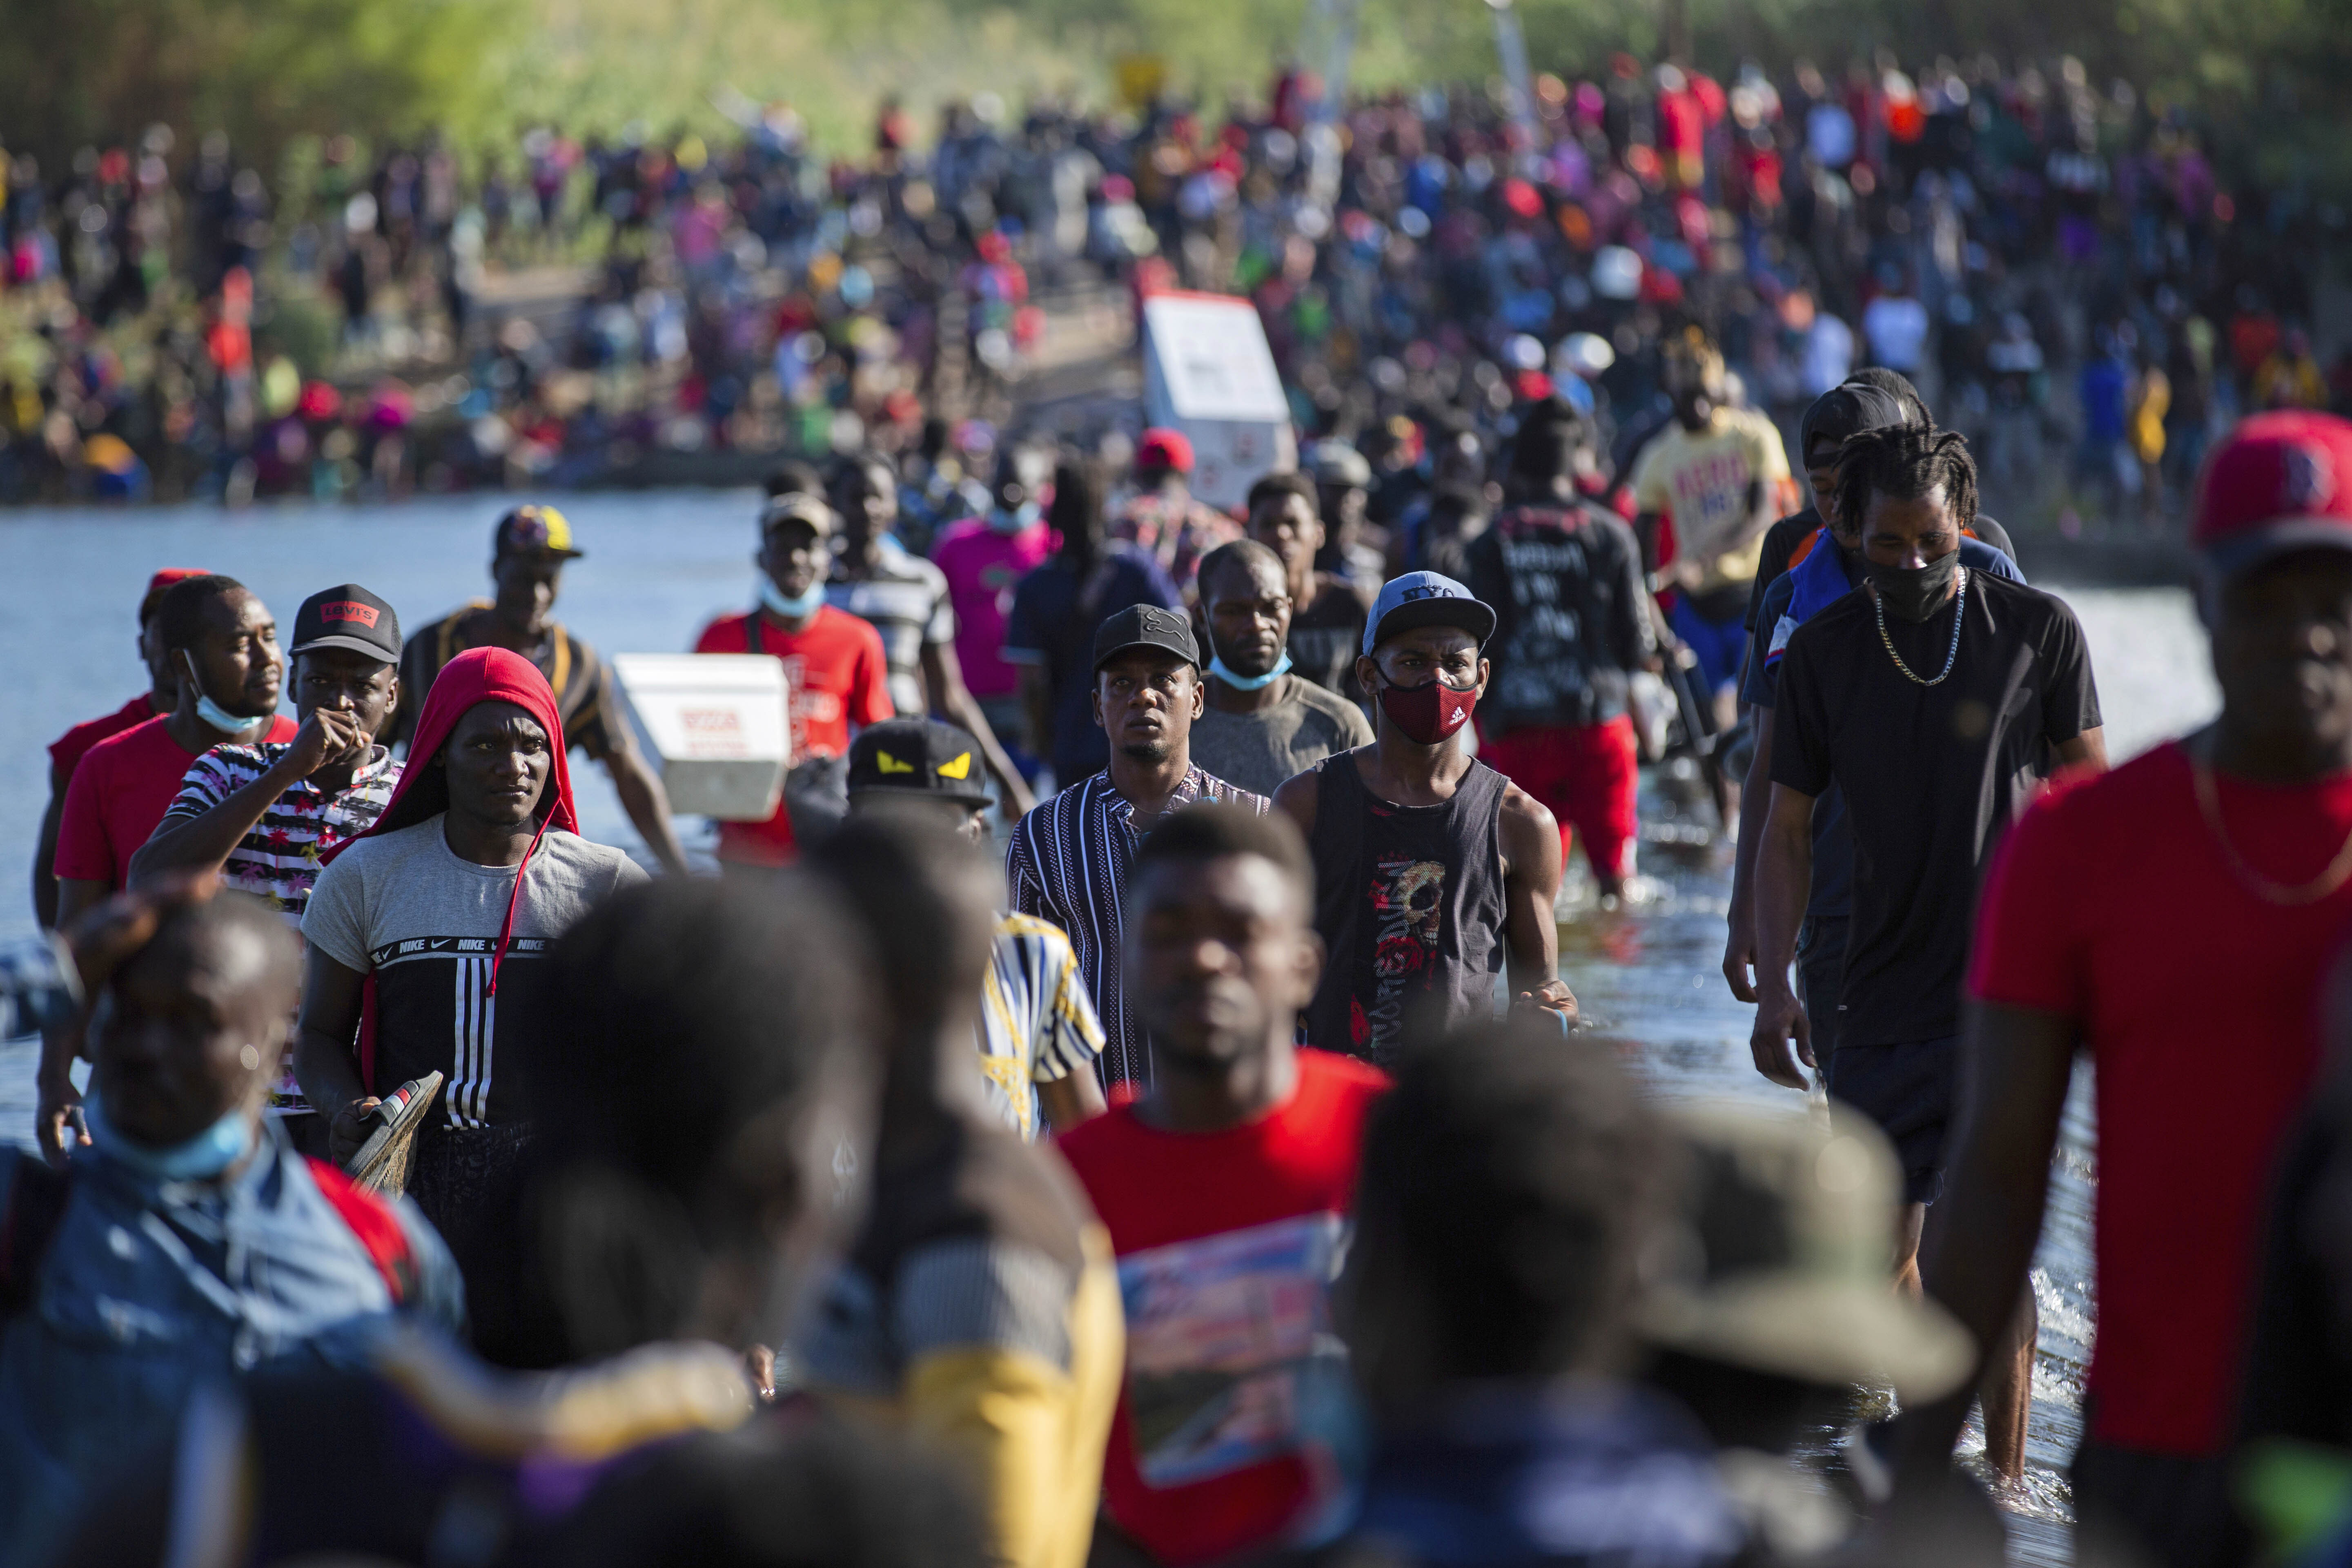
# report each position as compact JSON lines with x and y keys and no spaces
{"x":2063,"y":265}
{"x":1215,"y":1170}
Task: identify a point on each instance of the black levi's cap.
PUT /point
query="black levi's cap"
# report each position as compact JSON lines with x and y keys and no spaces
{"x":1146,"y":626}
{"x":349,"y":618}
{"x":918,"y":756}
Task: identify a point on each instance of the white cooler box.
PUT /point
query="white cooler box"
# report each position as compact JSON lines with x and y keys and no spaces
{"x":714,"y":726}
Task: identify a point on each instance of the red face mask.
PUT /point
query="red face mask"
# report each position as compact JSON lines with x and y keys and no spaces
{"x":1428,"y":714}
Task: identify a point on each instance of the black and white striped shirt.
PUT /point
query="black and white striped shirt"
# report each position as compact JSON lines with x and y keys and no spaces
{"x":1068,"y":864}
{"x":277,"y":858}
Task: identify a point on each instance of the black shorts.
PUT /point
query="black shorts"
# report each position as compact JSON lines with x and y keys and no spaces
{"x":1821,"y":964}
{"x":1908,"y":1090}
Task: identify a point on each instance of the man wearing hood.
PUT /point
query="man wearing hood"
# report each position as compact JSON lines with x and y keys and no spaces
{"x":426,"y":936}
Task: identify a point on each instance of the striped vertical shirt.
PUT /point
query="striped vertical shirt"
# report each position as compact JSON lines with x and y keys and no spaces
{"x":277,"y":858}
{"x":1068,"y":865}
{"x":1036,"y":1022}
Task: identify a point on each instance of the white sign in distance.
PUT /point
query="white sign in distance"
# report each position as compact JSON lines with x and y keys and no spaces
{"x":715,"y":726}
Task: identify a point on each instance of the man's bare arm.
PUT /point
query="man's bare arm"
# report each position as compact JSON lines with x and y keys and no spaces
{"x":943,"y":679}
{"x":323,"y":1036}
{"x":1739,"y":960}
{"x":2014,"y":1070}
{"x":646,"y":803}
{"x":2087,"y":750}
{"x":1531,"y":873}
{"x":44,"y":856}
{"x":1037,"y":701}
{"x":1073,"y":1097}
{"x":1784,"y":880}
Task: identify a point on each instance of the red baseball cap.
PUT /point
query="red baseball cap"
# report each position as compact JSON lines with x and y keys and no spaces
{"x":1164,"y":449}
{"x":159,"y":582}
{"x":2278,"y":482}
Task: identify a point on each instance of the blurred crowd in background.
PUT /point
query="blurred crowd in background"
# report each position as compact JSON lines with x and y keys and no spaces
{"x":2055,"y":261}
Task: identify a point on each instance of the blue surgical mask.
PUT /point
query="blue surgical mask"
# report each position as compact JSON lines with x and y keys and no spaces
{"x":1018,"y":519}
{"x":798,"y":609}
{"x":199,"y":1159}
{"x":212,"y":713}
{"x":1250,"y":682}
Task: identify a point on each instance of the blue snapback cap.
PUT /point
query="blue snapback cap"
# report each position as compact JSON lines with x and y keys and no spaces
{"x":1426,"y":599}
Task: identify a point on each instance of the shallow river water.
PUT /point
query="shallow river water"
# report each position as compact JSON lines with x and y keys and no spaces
{"x":658,"y":565}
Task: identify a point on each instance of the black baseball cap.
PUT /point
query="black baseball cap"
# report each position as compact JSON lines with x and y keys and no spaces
{"x":1146,"y":626}
{"x":348,"y":617}
{"x":918,"y":757}
{"x":534,"y":530}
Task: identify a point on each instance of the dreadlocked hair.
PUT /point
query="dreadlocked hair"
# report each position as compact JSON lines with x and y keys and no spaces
{"x":1903,"y":462}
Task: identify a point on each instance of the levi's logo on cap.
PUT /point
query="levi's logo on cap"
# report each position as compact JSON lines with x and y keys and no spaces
{"x":348,"y":610}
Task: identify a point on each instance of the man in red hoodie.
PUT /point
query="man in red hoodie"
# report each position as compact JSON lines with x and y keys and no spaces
{"x":426,"y":937}
{"x":1226,"y":1190}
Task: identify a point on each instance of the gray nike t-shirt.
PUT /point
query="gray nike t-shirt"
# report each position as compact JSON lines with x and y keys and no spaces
{"x":405,"y":909}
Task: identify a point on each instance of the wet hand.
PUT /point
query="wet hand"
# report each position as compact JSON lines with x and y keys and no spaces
{"x":57,"y":1125}
{"x":1780,"y":1022}
{"x":759,"y":1366}
{"x":350,"y":1128}
{"x":1552,"y":997}
{"x":1739,"y":960}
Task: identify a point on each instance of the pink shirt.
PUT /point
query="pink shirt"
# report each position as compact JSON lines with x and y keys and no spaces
{"x":981,"y":567}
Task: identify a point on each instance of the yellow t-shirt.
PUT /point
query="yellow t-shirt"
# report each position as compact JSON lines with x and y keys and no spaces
{"x":1702,"y":480}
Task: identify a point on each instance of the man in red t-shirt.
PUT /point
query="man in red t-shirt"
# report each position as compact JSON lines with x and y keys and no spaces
{"x":162,"y":693}
{"x":220,"y":644}
{"x":834,"y":670}
{"x":1226,"y":1190}
{"x":2192,"y":978}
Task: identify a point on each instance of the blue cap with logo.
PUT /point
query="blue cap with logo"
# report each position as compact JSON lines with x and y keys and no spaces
{"x":1426,"y":599}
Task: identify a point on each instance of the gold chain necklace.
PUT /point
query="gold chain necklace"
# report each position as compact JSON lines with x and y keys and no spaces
{"x":2209,"y":806}
{"x":1951,"y":656}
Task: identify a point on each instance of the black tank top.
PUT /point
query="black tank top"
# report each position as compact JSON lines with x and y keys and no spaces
{"x":1408,"y":902}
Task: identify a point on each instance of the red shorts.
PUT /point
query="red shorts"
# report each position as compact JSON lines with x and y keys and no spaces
{"x":1587,"y":775}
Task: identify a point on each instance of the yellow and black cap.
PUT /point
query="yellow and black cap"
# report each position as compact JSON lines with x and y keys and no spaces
{"x":534,"y":530}
{"x":918,"y":757}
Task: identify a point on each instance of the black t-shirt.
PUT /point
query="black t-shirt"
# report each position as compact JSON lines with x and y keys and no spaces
{"x":1932,"y":776}
{"x":1780,"y":541}
{"x":1570,"y":624}
{"x":1327,"y":635}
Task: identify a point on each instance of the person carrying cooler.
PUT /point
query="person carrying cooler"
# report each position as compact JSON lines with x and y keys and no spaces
{"x":836,"y":676}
